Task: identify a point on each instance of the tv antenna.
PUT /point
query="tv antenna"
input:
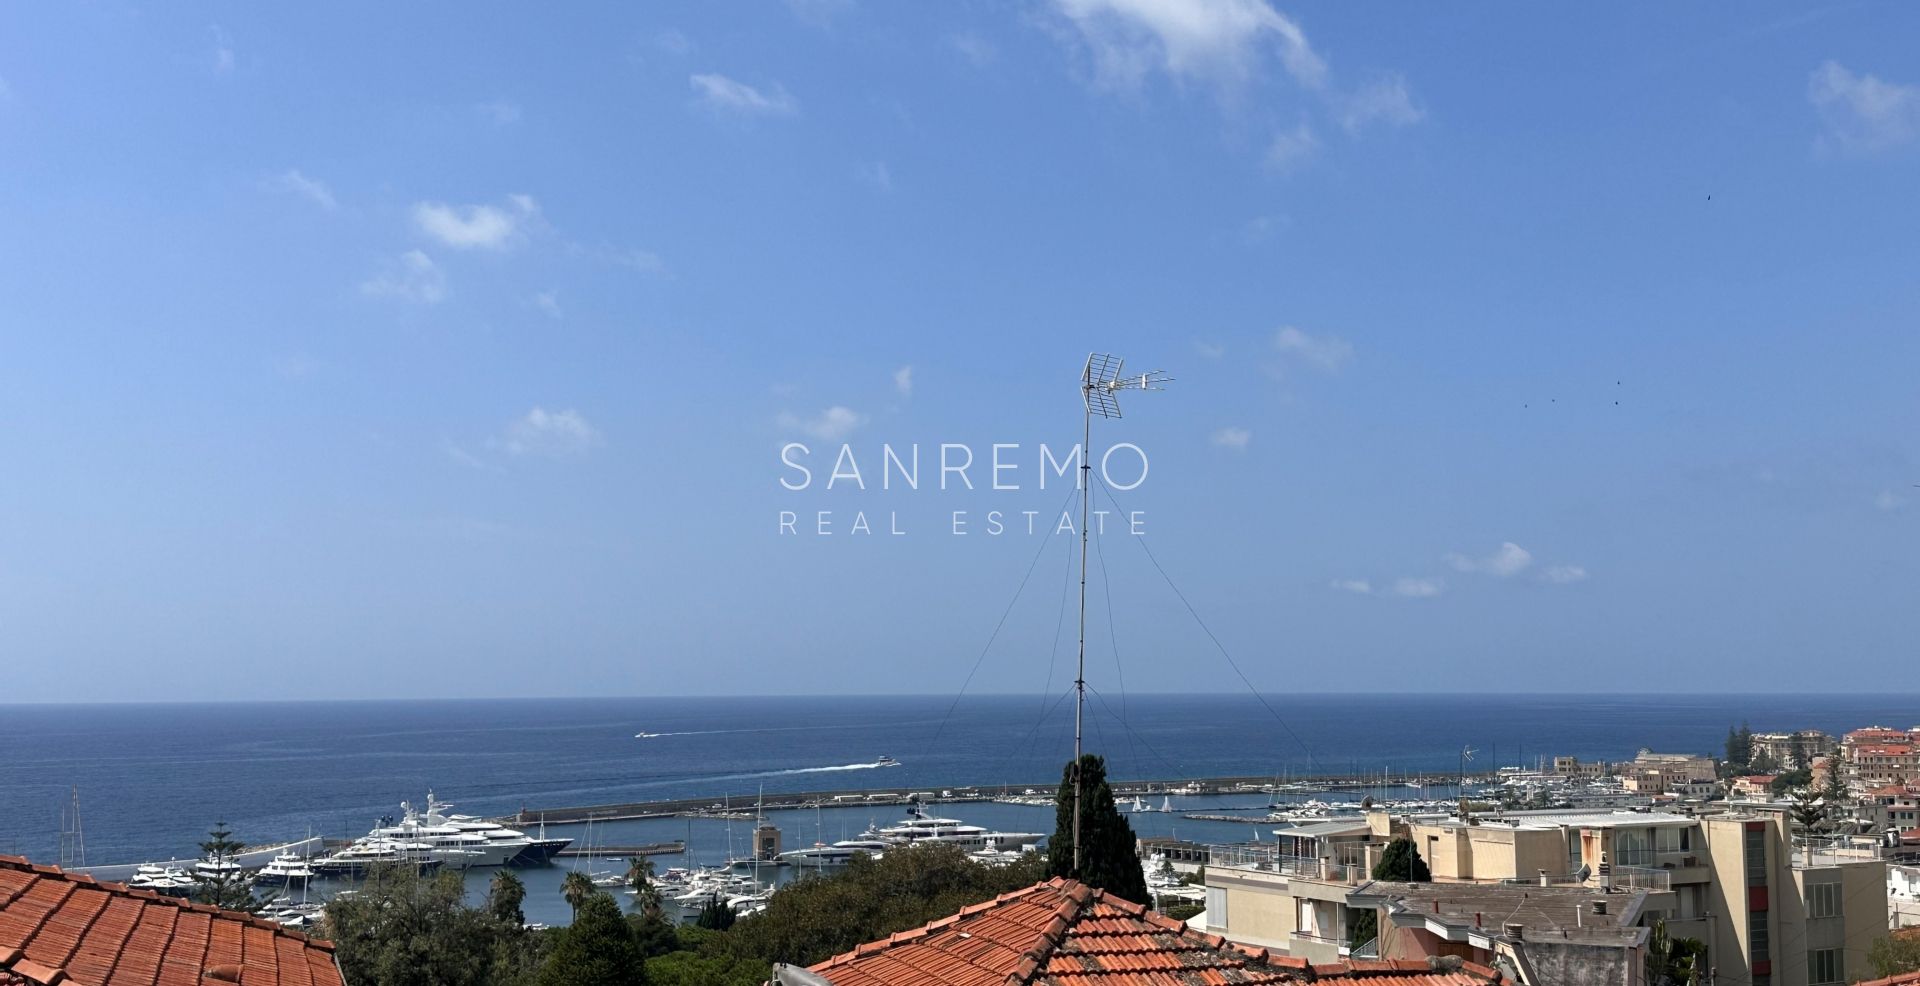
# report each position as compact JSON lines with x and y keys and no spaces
{"x":1100,"y":386}
{"x":73,"y":839}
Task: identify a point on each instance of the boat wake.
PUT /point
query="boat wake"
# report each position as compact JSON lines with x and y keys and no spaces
{"x":822,"y":770}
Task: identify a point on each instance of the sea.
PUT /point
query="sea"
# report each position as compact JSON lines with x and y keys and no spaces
{"x":151,"y":779}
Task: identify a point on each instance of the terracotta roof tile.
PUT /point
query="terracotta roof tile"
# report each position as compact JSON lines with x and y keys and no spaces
{"x":61,"y":928}
{"x":1063,"y":933}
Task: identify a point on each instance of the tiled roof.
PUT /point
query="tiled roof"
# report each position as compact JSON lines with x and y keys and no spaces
{"x":1904,"y":979}
{"x":58,"y":928}
{"x":1064,"y":933}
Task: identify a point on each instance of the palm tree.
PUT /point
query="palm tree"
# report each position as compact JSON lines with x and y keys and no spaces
{"x":576,"y":888}
{"x":646,"y":896}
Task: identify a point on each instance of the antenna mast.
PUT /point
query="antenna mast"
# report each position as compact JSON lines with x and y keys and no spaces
{"x":73,"y":839}
{"x":1100,"y":386}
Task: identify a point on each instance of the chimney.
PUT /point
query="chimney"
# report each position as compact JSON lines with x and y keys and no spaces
{"x":1515,"y":931}
{"x":1599,"y":907}
{"x":1543,"y":878}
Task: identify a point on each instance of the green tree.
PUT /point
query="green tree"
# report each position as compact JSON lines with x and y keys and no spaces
{"x":1762,"y":763}
{"x":224,"y":885}
{"x":1109,"y":858}
{"x":1894,"y":955}
{"x":402,"y":929}
{"x":716,"y":915}
{"x":1811,"y":816}
{"x":706,"y":958}
{"x":1836,"y":787}
{"x":598,"y":949}
{"x":869,"y":899}
{"x":1401,"y":861}
{"x":505,"y":895}
{"x":1797,"y":753}
{"x":1739,"y":751}
{"x":577,"y":888}
{"x":646,"y":896}
{"x":1363,"y":926}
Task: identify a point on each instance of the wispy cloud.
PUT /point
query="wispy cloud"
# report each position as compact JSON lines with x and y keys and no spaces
{"x":830,"y":425}
{"x":413,"y":277}
{"x":1292,"y":148}
{"x":1328,"y":353}
{"x":471,"y":227}
{"x":1862,"y":114}
{"x":729,"y":95}
{"x":903,"y":381}
{"x":975,"y":49}
{"x":1233,"y":438}
{"x":1564,"y":574}
{"x":311,"y":189}
{"x":1386,"y":101}
{"x":553,"y":434}
{"x":548,"y":302}
{"x":222,"y":49}
{"x":1507,"y":560}
{"x":876,"y":174}
{"x":1889,"y":500}
{"x":1357,"y":586}
{"x":1215,"y":40}
{"x":499,"y":112}
{"x":1208,"y":349}
{"x":1418,"y":588}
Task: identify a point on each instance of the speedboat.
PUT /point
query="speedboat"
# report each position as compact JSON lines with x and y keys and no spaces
{"x":886,"y":762}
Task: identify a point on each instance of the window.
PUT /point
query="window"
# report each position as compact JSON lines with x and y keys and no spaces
{"x":1757,"y":937}
{"x":1756,"y":846}
{"x":1823,"y":966}
{"x":1823,"y":901}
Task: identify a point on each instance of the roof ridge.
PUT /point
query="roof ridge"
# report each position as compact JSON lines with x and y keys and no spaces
{"x":1076,"y":897}
{"x":921,"y":931}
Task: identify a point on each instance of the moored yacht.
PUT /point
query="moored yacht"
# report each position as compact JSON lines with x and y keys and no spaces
{"x":919,"y":827}
{"x":822,"y":854}
{"x":287,"y":869}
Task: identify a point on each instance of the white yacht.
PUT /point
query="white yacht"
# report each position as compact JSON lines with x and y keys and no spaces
{"x":529,"y":850}
{"x":919,"y":827}
{"x":215,"y":869}
{"x":822,"y":854}
{"x":367,"y":853}
{"x":170,"y":880}
{"x":449,"y":844}
{"x":288,"y":869}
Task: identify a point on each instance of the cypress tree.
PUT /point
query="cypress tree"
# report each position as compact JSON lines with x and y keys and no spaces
{"x":1108,"y":858}
{"x":1401,"y":861}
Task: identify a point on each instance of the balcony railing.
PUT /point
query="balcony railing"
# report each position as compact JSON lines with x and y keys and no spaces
{"x":1262,"y":860}
{"x":1641,"y":878}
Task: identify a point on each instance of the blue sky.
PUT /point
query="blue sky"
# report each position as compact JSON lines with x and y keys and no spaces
{"x":432,"y":350}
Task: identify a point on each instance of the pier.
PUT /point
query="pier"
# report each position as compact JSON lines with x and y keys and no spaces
{"x":710,"y":807}
{"x":673,"y":848}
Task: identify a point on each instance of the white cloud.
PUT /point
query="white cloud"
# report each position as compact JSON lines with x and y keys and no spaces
{"x":1220,"y":40}
{"x":312,"y":189}
{"x":467,"y":227}
{"x":1889,"y":500}
{"x":222,"y":49}
{"x":1211,"y":350}
{"x":1418,"y":588}
{"x":549,"y":302}
{"x":1564,"y":574}
{"x":1233,"y":438}
{"x":830,"y":425}
{"x":976,"y":49}
{"x":1359,"y":586}
{"x":1328,"y":353}
{"x":673,"y":42}
{"x":1509,"y":559}
{"x":903,"y":381}
{"x":500,"y":113}
{"x":414,"y":277}
{"x":1862,"y":113}
{"x":722,"y":93}
{"x":1384,"y":100}
{"x":1292,"y":148}
{"x":555,"y":434}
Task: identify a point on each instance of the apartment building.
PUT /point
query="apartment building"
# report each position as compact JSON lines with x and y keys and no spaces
{"x":1573,"y":768}
{"x":1779,"y":747}
{"x":1766,"y":915}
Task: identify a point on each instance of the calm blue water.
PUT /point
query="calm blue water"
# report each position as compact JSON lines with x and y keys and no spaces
{"x":153,"y":777}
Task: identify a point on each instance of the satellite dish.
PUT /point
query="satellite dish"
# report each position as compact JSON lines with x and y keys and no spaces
{"x":1580,"y":875}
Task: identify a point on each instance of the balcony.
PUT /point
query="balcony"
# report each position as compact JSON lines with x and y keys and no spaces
{"x":1641,"y":878}
{"x":1263,"y":860}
